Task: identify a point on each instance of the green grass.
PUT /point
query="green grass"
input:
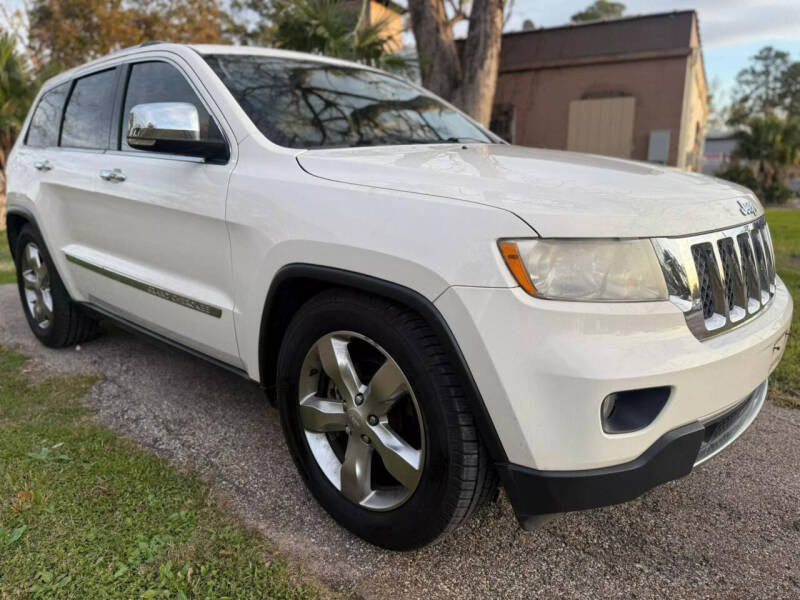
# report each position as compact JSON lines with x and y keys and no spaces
{"x":86,"y":514}
{"x":7,"y":272}
{"x":784,"y":226}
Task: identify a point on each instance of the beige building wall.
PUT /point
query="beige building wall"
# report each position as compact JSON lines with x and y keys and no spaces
{"x":394,"y":24}
{"x":556,"y":88}
{"x":379,"y":12}
{"x":695,"y":115}
{"x":541,"y":99}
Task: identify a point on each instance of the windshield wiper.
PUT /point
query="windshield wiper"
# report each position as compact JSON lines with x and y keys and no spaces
{"x":462,"y":140}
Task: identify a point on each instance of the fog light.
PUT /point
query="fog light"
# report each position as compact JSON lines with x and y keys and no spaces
{"x":631,"y":410}
{"x":608,"y":406}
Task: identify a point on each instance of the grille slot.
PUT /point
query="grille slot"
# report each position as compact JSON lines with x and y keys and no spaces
{"x":730,"y":268}
{"x":761,"y":263}
{"x":719,"y":279}
{"x":749,"y":267}
{"x":770,"y":256}
{"x":702,"y":262}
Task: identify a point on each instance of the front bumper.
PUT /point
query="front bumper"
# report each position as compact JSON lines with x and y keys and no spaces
{"x":534,"y":493}
{"x":543,"y":368}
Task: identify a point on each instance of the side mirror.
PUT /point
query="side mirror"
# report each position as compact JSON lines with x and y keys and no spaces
{"x":172,"y":128}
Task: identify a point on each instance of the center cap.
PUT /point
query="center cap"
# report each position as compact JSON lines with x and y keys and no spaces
{"x":355,"y":420}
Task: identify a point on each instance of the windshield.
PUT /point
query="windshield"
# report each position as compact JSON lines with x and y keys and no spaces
{"x":310,"y":104}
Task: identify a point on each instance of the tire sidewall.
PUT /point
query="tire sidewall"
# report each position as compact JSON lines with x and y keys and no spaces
{"x":426,"y":513}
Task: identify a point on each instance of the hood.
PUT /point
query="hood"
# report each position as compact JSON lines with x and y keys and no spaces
{"x":559,"y":194}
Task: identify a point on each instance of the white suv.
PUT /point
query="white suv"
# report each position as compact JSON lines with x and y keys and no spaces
{"x":433,"y":311}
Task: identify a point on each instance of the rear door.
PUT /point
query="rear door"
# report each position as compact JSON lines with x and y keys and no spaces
{"x":33,"y":159}
{"x":65,"y":153}
{"x":154,"y":247}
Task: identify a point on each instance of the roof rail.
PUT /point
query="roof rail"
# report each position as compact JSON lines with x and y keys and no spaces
{"x":150,"y":43}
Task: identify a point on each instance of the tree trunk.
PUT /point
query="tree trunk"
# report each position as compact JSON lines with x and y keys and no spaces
{"x":481,"y":60}
{"x":469,"y":81}
{"x":3,"y":156}
{"x":436,"y":48}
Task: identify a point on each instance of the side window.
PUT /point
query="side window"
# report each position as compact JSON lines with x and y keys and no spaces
{"x":87,"y":120}
{"x":43,"y":131}
{"x":161,"y":82}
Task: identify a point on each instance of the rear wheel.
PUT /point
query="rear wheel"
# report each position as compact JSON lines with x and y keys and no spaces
{"x":51,"y":314}
{"x":377,"y":422}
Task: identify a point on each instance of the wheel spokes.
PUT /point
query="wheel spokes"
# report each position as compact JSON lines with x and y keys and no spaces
{"x":356,"y":471}
{"x":386,"y":387}
{"x":322,"y":415}
{"x":47,"y":310}
{"x":36,"y":283}
{"x":39,"y":268}
{"x":403,"y":461}
{"x":31,"y":254}
{"x":342,"y":415}
{"x":29,"y":279}
{"x":337,"y":364}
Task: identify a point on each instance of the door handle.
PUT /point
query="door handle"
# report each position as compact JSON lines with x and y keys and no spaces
{"x":112,"y":175}
{"x":42,"y":165}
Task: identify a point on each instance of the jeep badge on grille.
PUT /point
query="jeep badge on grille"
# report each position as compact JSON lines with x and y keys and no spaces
{"x":746,"y":207}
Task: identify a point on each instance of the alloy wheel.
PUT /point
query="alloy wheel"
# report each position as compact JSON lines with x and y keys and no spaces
{"x":36,"y":283}
{"x":362,"y":421}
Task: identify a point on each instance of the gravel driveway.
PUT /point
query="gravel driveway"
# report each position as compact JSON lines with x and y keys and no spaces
{"x":731,"y":529}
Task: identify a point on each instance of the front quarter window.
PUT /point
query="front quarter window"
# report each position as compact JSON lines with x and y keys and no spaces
{"x":312,"y":104}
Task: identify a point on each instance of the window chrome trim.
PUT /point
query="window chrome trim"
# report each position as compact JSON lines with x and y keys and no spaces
{"x":186,"y":302}
{"x":683,"y":284}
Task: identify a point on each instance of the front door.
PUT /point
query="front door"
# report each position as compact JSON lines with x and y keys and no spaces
{"x":155,"y":248}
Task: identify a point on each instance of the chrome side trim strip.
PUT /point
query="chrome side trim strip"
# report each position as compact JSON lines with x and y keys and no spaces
{"x":202,"y":307}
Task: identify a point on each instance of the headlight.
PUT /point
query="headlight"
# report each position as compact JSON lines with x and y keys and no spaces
{"x":588,"y":270}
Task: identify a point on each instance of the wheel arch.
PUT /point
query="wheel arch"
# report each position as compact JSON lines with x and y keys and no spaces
{"x":294,"y":284}
{"x":16,"y":218}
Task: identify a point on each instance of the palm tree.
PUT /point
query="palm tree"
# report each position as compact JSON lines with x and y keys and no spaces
{"x":773,"y":144}
{"x":333,"y":28}
{"x":17,"y":89}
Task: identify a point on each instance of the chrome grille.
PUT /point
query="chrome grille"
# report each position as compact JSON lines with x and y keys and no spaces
{"x":720,"y":279}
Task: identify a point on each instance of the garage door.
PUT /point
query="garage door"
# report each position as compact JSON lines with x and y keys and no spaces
{"x":602,"y":126}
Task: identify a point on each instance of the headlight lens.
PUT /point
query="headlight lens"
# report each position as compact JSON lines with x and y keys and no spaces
{"x":587,"y":270}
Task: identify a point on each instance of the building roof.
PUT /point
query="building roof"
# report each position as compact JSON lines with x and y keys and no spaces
{"x":661,"y":33}
{"x":390,"y":4}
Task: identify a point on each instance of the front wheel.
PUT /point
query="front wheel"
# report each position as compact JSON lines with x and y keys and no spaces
{"x":377,"y":422}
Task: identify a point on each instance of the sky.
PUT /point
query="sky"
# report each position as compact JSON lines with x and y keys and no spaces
{"x":731,"y":31}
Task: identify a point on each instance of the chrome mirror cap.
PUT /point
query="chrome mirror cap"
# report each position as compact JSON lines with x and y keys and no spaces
{"x":162,"y":121}
{"x":173,"y":128}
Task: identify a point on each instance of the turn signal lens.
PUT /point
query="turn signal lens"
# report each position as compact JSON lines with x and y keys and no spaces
{"x":514,"y":262}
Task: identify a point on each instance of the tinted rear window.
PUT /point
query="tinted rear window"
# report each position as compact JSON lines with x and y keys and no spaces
{"x":311,"y":104}
{"x":87,"y":120}
{"x":43,"y":130}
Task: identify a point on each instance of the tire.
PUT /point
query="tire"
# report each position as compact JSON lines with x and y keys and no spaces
{"x":387,"y":344}
{"x":52,"y":316}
